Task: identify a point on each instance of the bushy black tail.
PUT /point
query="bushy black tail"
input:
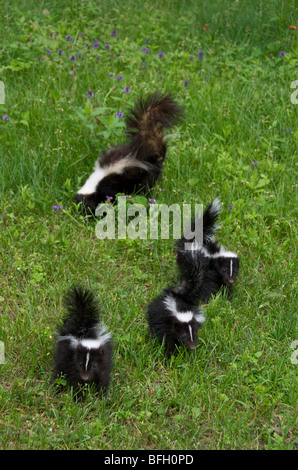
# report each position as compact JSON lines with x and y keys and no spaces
{"x":209,"y":225}
{"x":82,"y":311}
{"x":146,"y":122}
{"x":192,"y":262}
{"x":209,"y":220}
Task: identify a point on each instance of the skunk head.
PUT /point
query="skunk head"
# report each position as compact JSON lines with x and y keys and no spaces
{"x":88,"y":203}
{"x":227,"y":265}
{"x":185,"y":332}
{"x":183,"y":325}
{"x":89,"y":196}
{"x":89,"y":362}
{"x":90,"y":359}
{"x":96,"y":188}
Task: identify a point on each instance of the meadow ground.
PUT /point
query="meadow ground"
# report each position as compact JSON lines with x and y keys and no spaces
{"x":67,"y":69}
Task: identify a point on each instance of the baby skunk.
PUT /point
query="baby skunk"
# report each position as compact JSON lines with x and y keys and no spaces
{"x":207,"y":267}
{"x":84,"y":347}
{"x":174,"y":320}
{"x":136,"y":165}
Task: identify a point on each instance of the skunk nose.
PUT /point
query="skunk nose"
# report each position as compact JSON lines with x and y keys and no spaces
{"x":85,"y":376}
{"x":231,"y":281}
{"x":192,"y":347}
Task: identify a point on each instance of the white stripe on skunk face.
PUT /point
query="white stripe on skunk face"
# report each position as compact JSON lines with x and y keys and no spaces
{"x":87,"y":360}
{"x":183,"y":317}
{"x":224,"y":254}
{"x":231,"y":267}
{"x":190,"y":333}
{"x":88,"y":343}
{"x":95,"y":343}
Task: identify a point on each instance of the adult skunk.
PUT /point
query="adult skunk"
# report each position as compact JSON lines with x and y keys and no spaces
{"x":209,"y":266}
{"x":174,"y":320}
{"x":136,"y":165}
{"x":83,"y":347}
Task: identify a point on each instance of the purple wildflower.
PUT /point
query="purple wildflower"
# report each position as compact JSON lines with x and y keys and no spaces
{"x":82,"y":35}
{"x":152,"y":202}
{"x":289,"y":129}
{"x":120,"y":78}
{"x":68,"y":37}
{"x":230,"y":207}
{"x":5,"y":117}
{"x":39,"y":57}
{"x":98,"y":57}
{"x":186,"y":83}
{"x":191,"y":57}
{"x":107,"y":46}
{"x":119,"y":114}
{"x":73,"y":58}
{"x":114,"y":32}
{"x":109,"y":198}
{"x":146,"y":41}
{"x":126,"y":89}
{"x":95,"y":44}
{"x":56,"y":207}
{"x":254,"y":163}
{"x":200,"y":56}
{"x":48,"y":51}
{"x":71,"y":72}
{"x":145,"y":50}
{"x":161,"y":54}
{"x":79,"y":54}
{"x":60,"y":52}
{"x":89,"y":93}
{"x":282,"y":54}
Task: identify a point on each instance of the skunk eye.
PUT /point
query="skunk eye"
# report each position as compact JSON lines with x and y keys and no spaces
{"x":94,"y":365}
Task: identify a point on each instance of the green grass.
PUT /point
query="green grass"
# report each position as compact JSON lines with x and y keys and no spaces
{"x":238,"y":390}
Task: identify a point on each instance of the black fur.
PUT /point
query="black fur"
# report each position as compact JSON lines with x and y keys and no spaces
{"x":79,"y":363}
{"x":207,"y":268}
{"x":145,"y":151}
{"x":167,"y":327}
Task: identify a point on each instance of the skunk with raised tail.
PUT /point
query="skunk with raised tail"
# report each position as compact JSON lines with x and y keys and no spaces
{"x":84,"y":346}
{"x":207,"y":267}
{"x":136,"y":165}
